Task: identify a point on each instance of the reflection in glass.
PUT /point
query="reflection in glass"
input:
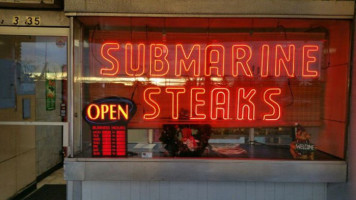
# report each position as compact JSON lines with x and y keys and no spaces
{"x":27,"y":65}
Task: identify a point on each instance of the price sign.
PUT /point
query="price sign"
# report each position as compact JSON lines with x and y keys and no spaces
{"x":109,"y":141}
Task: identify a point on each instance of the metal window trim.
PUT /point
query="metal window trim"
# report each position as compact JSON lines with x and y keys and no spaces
{"x":70,"y":85}
{"x":291,"y":16}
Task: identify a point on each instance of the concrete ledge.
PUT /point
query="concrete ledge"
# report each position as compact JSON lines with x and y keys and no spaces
{"x":93,"y":169}
{"x":48,"y":18}
{"x":247,"y":8}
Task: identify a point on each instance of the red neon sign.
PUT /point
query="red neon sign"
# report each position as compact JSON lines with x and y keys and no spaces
{"x":182,"y":60}
{"x":219,"y":103}
{"x":214,"y":59}
{"x":248,"y":107}
{"x":221,"y":81}
{"x":274,"y":59}
{"x":281,"y":59}
{"x":241,"y":56}
{"x":159,"y":64}
{"x":147,"y":95}
{"x":106,"y":49}
{"x":265,"y":60}
{"x":309,"y":59}
{"x":175,"y":99}
{"x":276,"y":108}
{"x":132,"y":70}
{"x":196,"y":103}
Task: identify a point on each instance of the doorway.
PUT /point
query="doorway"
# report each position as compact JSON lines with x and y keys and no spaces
{"x":33,"y":105}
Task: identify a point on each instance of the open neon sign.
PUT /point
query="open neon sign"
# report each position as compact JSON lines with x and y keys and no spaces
{"x":247,"y":62}
{"x":108,"y":120}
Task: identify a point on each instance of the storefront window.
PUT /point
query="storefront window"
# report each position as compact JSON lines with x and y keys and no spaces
{"x":211,"y":87}
{"x":33,"y":78}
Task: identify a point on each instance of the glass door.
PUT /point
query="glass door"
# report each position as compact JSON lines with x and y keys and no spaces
{"x":33,"y":104}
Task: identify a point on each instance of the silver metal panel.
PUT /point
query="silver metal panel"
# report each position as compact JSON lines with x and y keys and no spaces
{"x":152,"y":190}
{"x":74,"y":190}
{"x":204,"y":170}
{"x":74,"y":169}
{"x":248,"y":8}
{"x":70,"y":191}
{"x":48,"y":18}
{"x":70,"y":87}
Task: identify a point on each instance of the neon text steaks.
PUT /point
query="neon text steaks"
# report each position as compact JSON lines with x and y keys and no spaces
{"x":214,"y":104}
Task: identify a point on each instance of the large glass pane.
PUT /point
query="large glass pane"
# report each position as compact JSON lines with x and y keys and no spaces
{"x":32,"y":88}
{"x":33,"y":78}
{"x":212,"y":87}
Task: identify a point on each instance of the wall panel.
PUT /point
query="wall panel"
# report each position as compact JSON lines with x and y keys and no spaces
{"x":182,"y":190}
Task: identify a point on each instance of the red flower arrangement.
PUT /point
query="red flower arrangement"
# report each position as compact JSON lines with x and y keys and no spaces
{"x":185,"y":140}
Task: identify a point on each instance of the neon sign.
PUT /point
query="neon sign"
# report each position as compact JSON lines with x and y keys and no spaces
{"x":110,"y":110}
{"x":108,"y":120}
{"x":115,"y":111}
{"x":227,"y":81}
{"x":219,"y":103}
{"x":276,"y":60}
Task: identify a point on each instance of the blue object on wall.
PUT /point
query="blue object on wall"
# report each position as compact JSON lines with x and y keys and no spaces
{"x":7,"y":83}
{"x":26,"y":108}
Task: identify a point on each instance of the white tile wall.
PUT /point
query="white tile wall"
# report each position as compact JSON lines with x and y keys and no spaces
{"x":25,"y":139}
{"x":7,"y":178}
{"x":17,"y":164}
{"x":25,"y":169}
{"x":7,"y":143}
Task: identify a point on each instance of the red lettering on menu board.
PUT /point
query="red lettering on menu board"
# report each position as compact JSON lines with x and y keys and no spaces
{"x":109,"y":140}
